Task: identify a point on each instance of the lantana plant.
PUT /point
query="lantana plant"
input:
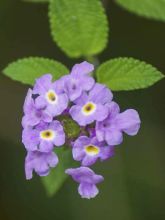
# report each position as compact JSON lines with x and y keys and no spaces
{"x":90,"y":105}
{"x":71,"y":120}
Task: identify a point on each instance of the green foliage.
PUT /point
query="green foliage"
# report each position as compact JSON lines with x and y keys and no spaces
{"x":148,"y":8}
{"x":79,"y":27}
{"x":28,"y":69}
{"x":57,"y":176}
{"x":127,"y":74}
{"x":71,"y":128}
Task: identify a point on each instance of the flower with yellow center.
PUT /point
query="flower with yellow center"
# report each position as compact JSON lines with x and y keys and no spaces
{"x":88,"y":108}
{"x":88,"y":150}
{"x":47,"y":135}
{"x":91,"y":106}
{"x":92,"y":150}
{"x":51,"y":97}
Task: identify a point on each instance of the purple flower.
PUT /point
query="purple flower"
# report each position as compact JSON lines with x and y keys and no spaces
{"x":112,"y":128}
{"x":43,"y":137}
{"x":92,"y":107}
{"x":87,"y":179}
{"x":33,"y":115}
{"x":40,"y":163}
{"x":51,"y":95}
{"x":78,"y":80}
{"x":88,"y":150}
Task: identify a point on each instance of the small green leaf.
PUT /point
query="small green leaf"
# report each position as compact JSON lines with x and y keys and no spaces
{"x":57,"y":176}
{"x":148,"y":8}
{"x":127,"y":74}
{"x":28,"y":69}
{"x":79,"y":27}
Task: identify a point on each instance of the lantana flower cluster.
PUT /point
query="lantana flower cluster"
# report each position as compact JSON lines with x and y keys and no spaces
{"x":90,"y":105}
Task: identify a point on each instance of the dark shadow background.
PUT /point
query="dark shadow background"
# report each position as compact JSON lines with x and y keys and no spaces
{"x":134,"y":186}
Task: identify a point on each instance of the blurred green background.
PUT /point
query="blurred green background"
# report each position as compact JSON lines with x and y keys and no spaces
{"x":134,"y":186}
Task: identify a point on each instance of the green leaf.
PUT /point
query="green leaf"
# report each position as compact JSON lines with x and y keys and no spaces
{"x":148,"y":8}
{"x":79,"y":27}
{"x":28,"y":69}
{"x":57,"y":176}
{"x":127,"y":74}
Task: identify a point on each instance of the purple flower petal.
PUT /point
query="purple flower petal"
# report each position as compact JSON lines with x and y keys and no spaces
{"x":87,"y":83}
{"x":100,"y":132}
{"x":78,"y":150}
{"x":46,"y":146}
{"x":92,"y":107}
{"x":40,"y":102}
{"x":51,"y":95}
{"x":113,"y":109}
{"x":83,"y":68}
{"x":84,"y":174}
{"x":78,"y":81}
{"x":87,"y":179}
{"x":111,"y":129}
{"x":89,"y":160}
{"x":82,"y":100}
{"x":82,"y":141}
{"x":59,"y":107}
{"x":106,"y":152}
{"x":114,"y":137}
{"x":46,"y":117}
{"x":80,"y":118}
{"x":129,"y":121}
{"x":100,"y":94}
{"x":81,"y":174}
{"x":30,"y":139}
{"x":101,"y":112}
{"x":72,"y":87}
{"x":29,"y":120}
{"x":87,"y":190}
{"x":44,"y":136}
{"x":33,"y":113}
{"x":78,"y":153}
{"x":42,"y":84}
{"x":29,"y":102}
{"x":40,"y":163}
{"x":89,"y":149}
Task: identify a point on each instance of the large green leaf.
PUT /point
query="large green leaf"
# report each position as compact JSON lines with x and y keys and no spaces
{"x":127,"y":74}
{"x":149,"y":8}
{"x":28,"y":69}
{"x":57,"y":176}
{"x":79,"y":27}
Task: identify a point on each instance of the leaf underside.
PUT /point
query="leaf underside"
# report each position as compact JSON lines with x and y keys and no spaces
{"x":57,"y":176}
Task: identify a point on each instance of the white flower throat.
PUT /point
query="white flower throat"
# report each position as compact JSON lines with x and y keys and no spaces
{"x":92,"y":150}
{"x":88,"y":108}
{"x":51,"y":97}
{"x":47,"y":135}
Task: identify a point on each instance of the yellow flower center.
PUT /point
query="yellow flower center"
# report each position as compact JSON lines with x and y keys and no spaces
{"x":92,"y":150}
{"x":51,"y":97}
{"x":47,"y":135}
{"x":89,"y":108}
